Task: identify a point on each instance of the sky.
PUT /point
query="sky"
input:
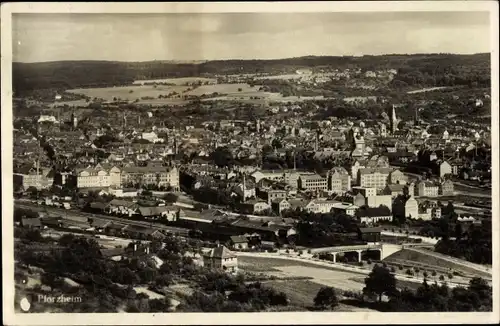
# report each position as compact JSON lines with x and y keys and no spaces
{"x":143,"y":37}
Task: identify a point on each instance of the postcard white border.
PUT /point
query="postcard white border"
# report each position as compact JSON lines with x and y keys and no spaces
{"x":231,"y":318}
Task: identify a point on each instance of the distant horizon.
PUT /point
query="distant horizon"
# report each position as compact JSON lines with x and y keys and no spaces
{"x":180,"y":61}
{"x":244,"y":36}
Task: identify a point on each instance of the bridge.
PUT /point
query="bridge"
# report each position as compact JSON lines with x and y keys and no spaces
{"x":343,"y":249}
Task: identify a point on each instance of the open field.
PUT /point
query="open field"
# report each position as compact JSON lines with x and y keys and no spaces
{"x":129,"y":93}
{"x":223,"y":89}
{"x":337,"y":279}
{"x":177,"y":81}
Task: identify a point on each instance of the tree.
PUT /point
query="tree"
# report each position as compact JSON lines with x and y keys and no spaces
{"x":222,"y":157}
{"x":326,"y":298}
{"x":170,"y":198}
{"x":51,"y":280}
{"x":380,"y":281}
{"x":159,"y":305}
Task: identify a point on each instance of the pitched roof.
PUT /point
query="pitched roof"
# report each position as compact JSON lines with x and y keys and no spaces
{"x":119,"y":202}
{"x":375,"y":170}
{"x":31,"y":222}
{"x":395,"y":187}
{"x":112,"y":252}
{"x":239,"y":239}
{"x":220,"y":252}
{"x":370,"y":230}
{"x":152,"y":211}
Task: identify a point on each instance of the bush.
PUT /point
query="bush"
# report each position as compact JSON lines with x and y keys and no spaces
{"x":393,"y":270}
{"x":287,"y":251}
{"x":450,"y":276}
{"x":441,"y":277}
{"x":309,"y":251}
{"x":425,"y":274}
{"x":434,"y":273}
{"x":400,"y":267}
{"x":326,"y":298}
{"x":361,"y":263}
{"x":368,"y":261}
{"x":384,"y":265}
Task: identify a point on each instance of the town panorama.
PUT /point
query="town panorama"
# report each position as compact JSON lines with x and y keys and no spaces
{"x":312,"y":183}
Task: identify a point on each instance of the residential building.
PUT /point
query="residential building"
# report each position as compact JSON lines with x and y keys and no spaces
{"x":405,"y":207}
{"x":238,"y":242}
{"x":359,"y":200}
{"x":397,"y":177}
{"x":446,"y":188}
{"x":346,"y":208}
{"x":379,"y":200}
{"x":279,"y":205}
{"x":395,"y":190}
{"x":427,"y":189}
{"x":366,"y":192}
{"x":436,"y":212}
{"x":123,"y":207}
{"x":253,"y":206}
{"x":320,"y":206}
{"x":444,"y":169}
{"x":221,"y":258}
{"x":339,"y":180}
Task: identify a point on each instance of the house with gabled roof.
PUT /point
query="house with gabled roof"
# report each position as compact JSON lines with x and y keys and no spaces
{"x":221,"y":258}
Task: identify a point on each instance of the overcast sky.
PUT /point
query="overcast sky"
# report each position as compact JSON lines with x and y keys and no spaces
{"x":142,"y":37}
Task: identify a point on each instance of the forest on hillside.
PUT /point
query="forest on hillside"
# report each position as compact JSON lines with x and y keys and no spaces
{"x":425,"y":70}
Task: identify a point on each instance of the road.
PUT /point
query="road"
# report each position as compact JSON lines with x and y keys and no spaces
{"x":82,"y":217}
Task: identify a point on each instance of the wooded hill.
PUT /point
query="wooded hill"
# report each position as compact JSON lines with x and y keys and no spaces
{"x":424,"y":69}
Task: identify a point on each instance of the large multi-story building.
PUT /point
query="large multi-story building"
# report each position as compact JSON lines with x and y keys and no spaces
{"x":379,"y":200}
{"x":373,"y":177}
{"x":160,"y":176}
{"x":339,"y":180}
{"x":43,"y":180}
{"x":405,"y":207}
{"x":427,"y":189}
{"x":313,"y":182}
{"x":445,"y":168}
{"x":92,"y":177}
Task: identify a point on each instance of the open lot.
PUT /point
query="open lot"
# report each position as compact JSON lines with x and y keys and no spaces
{"x":323,"y":276}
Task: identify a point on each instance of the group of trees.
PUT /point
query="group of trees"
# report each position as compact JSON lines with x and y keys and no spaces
{"x":215,"y":196}
{"x":475,"y":245}
{"x":381,"y":282}
{"x":222,"y":292}
{"x":319,"y":230}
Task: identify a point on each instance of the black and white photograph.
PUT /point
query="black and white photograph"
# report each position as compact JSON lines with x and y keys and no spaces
{"x":334,"y":161}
